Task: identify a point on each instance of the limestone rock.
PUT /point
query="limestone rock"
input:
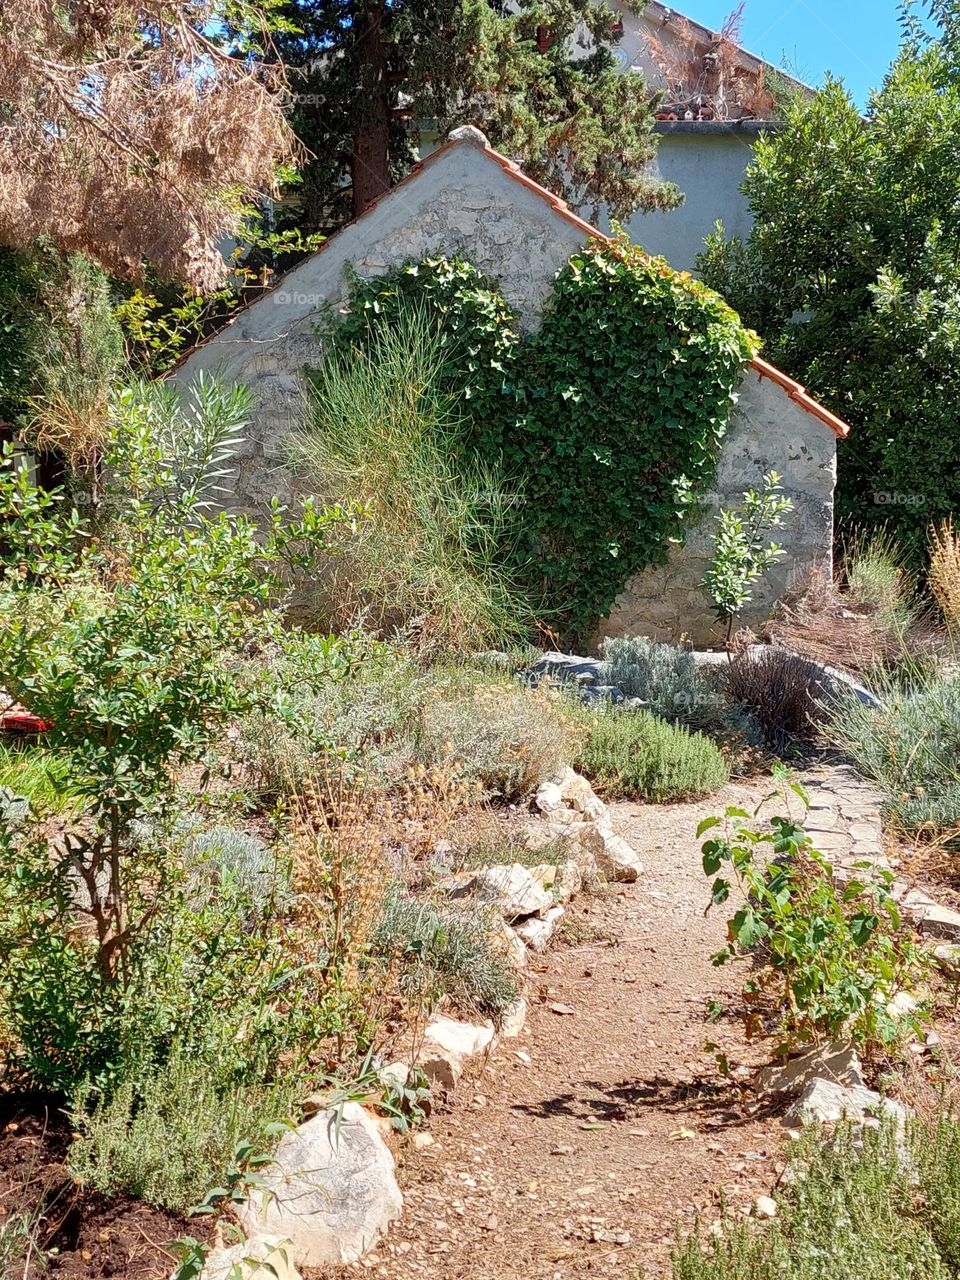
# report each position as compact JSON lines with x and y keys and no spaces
{"x":577,"y":792}
{"x":824,"y":1102}
{"x":512,"y":888}
{"x":549,"y":797}
{"x":948,"y":961}
{"x":835,"y":1062}
{"x":564,"y":881}
{"x":618,"y":859}
{"x":514,"y":1020}
{"x":331,"y":1190}
{"x":262,"y":1257}
{"x":504,"y":940}
{"x":447,"y":1047}
{"x":930,"y":917}
{"x":537,"y":932}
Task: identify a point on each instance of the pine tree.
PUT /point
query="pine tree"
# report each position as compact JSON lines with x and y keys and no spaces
{"x":538,"y":77}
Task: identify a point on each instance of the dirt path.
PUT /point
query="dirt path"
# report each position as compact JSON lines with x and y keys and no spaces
{"x":579,"y":1147}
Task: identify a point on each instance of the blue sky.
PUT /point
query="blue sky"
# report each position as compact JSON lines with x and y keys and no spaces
{"x":855,"y":39}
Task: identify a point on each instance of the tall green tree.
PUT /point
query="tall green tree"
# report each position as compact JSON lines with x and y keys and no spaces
{"x":541,"y":81}
{"x":851,"y":273}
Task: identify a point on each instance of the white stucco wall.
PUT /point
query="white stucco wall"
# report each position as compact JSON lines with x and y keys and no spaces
{"x":707,"y":162}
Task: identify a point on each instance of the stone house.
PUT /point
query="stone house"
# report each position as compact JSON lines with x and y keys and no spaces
{"x":467,"y":198}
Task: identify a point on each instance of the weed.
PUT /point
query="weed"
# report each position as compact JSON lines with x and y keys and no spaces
{"x":666,"y":678}
{"x":830,"y":958}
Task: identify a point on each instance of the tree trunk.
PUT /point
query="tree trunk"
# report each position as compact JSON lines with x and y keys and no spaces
{"x":370,"y":163}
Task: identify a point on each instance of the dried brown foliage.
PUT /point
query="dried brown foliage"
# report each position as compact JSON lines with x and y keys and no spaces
{"x":943,"y":576}
{"x":783,"y":690}
{"x":820,"y":620}
{"x":707,"y":79}
{"x":128,"y":133}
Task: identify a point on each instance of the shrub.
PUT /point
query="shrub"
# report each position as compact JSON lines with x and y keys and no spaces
{"x":636,"y":755}
{"x":128,"y":644}
{"x":448,"y":952}
{"x":389,"y":716}
{"x":235,"y":859}
{"x":830,"y":959}
{"x":782,"y":690}
{"x":909,"y":745}
{"x":853,"y":1208}
{"x":167,"y":1134}
{"x":666,"y":678}
{"x":383,"y":430}
{"x":742,"y":550}
{"x":498,"y":735}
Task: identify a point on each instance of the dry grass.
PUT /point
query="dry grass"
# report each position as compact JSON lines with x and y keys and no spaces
{"x":783,"y":690}
{"x":943,"y":576}
{"x":837,"y":626}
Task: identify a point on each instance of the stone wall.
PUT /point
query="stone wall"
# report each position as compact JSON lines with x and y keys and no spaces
{"x":464,"y":198}
{"x":768,"y":432}
{"x":461,"y":199}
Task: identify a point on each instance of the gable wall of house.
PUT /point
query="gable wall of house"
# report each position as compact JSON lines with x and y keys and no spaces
{"x":463,"y":200}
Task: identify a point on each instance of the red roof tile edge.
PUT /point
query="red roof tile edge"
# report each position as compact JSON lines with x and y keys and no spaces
{"x":794,"y":390}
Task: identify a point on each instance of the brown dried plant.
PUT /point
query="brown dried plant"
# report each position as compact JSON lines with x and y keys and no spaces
{"x":943,"y":575}
{"x":131,"y":133}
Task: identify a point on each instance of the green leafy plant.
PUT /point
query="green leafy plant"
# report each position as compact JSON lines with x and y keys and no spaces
{"x":742,"y":550}
{"x":879,"y":1204}
{"x":838,"y":261}
{"x":636,"y":755}
{"x":830,"y":957}
{"x":611,"y":415}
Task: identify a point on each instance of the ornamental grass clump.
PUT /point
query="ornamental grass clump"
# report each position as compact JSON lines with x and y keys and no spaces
{"x":635,"y":755}
{"x":383,"y":428}
{"x":909,"y":744}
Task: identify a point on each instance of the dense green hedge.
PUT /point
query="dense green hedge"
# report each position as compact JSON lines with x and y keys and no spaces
{"x":610,"y":416}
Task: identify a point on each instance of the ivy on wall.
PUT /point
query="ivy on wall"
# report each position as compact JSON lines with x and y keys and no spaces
{"x":611,"y":416}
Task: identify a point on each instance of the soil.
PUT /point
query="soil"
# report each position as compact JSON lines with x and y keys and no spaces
{"x":77,"y":1234}
{"x":581,"y":1145}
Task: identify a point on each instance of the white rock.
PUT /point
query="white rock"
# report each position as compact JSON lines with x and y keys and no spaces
{"x":824,"y":1101}
{"x":549,"y":797}
{"x":514,"y":1020}
{"x":563,"y":880}
{"x":930,"y":917}
{"x":618,"y":859}
{"x":447,"y":1047}
{"x":765,"y":1207}
{"x":504,"y":940}
{"x":512,"y":888}
{"x":834,"y":1061}
{"x":902,"y":1005}
{"x":948,"y":961}
{"x":262,"y":1257}
{"x":331,"y":1190}
{"x":537,"y":932}
{"x":578,"y":793}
